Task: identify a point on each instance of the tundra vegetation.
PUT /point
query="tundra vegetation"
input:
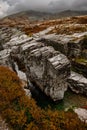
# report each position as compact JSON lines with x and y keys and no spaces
{"x":22,"y":113}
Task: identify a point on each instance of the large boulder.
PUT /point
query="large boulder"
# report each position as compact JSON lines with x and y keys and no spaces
{"x":49,"y":70}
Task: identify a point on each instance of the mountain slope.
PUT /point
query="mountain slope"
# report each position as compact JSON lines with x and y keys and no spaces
{"x":36,"y":15}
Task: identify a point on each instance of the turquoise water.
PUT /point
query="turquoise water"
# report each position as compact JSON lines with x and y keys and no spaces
{"x":70,"y":100}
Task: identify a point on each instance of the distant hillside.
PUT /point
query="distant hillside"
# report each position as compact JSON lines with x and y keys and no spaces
{"x":36,"y":15}
{"x":32,"y":15}
{"x":33,"y":22}
{"x":68,"y":13}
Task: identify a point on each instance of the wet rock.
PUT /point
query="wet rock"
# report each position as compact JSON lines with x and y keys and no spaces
{"x":78,"y":83}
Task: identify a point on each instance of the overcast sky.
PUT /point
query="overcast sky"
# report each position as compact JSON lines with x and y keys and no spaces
{"x":12,"y":6}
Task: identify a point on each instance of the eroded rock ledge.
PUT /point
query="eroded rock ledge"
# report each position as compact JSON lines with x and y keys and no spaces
{"x":45,"y":61}
{"x":49,"y":69}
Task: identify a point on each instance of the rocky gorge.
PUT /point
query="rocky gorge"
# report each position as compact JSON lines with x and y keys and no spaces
{"x":52,"y":58}
{"x":52,"y":62}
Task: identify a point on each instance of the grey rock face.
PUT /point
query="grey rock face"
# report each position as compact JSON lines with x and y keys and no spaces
{"x":84,"y":53}
{"x":70,"y":45}
{"x":57,"y":41}
{"x":10,"y":39}
{"x":1,"y":46}
{"x":42,"y":61}
{"x":49,"y":69}
{"x":78,"y":83}
{"x":82,"y":114}
{"x":4,"y":57}
{"x":5,"y":34}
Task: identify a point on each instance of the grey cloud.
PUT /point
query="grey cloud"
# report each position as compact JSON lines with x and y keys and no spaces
{"x":69,"y":4}
{"x":21,"y":5}
{"x":3,"y":8}
{"x":81,"y":5}
{"x":13,"y":6}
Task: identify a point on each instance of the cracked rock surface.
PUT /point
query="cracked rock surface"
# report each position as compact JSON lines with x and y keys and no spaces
{"x":44,"y":61}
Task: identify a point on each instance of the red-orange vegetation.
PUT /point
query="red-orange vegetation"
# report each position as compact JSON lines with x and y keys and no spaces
{"x":33,"y":29}
{"x":78,"y":24}
{"x":11,"y":92}
{"x":22,"y":113}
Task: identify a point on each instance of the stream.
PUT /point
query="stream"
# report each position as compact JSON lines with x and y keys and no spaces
{"x":70,"y":100}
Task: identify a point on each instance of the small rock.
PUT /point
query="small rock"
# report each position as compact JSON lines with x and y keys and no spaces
{"x":82,"y":114}
{"x":78,"y":83}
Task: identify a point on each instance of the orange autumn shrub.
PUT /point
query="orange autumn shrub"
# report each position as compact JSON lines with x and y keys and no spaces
{"x":11,"y":107}
{"x":22,"y":113}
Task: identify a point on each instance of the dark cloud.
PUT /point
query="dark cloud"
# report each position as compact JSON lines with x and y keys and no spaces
{"x":80,"y":5}
{"x":60,"y":5}
{"x":13,"y":6}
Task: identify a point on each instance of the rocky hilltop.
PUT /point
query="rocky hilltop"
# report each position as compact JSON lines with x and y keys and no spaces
{"x":50,"y":54}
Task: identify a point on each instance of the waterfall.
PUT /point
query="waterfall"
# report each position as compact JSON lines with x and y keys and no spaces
{"x":21,"y":74}
{"x":23,"y":77}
